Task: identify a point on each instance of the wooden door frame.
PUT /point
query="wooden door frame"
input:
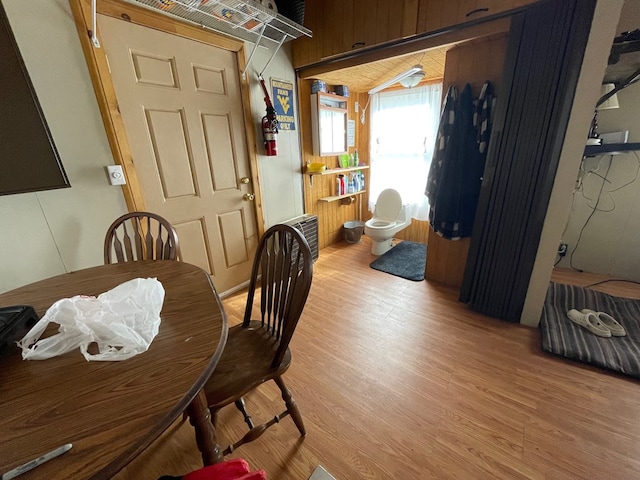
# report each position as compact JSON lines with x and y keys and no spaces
{"x":108,"y":104}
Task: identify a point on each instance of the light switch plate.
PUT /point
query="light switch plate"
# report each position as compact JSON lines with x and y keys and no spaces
{"x":116,"y":175}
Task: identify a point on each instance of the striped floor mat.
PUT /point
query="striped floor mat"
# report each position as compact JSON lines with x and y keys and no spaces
{"x":563,"y":337}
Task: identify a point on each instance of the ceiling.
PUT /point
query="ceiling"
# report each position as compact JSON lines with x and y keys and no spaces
{"x":362,"y":78}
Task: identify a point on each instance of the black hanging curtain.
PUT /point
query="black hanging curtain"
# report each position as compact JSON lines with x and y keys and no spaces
{"x":546,"y":47}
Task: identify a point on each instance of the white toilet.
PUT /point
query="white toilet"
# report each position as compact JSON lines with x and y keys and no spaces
{"x":389,"y":217}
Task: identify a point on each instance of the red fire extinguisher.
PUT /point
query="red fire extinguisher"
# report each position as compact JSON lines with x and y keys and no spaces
{"x":269,"y":124}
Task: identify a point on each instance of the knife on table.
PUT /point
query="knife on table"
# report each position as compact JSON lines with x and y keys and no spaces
{"x":36,"y":462}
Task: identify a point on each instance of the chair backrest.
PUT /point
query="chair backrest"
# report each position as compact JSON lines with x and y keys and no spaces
{"x":283,"y":269}
{"x":140,"y":236}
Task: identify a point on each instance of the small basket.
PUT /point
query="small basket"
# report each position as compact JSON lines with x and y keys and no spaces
{"x":353,"y":230}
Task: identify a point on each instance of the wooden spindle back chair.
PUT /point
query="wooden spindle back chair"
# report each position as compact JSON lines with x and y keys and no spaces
{"x":258,"y":350}
{"x":140,"y":236}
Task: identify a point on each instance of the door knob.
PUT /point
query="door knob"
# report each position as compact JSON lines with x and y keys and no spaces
{"x":244,"y":180}
{"x":249,"y":197}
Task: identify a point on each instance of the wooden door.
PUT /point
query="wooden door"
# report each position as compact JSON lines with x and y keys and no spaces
{"x":182,"y":110}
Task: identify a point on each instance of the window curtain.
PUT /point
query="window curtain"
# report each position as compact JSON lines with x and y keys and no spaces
{"x":404,"y":124}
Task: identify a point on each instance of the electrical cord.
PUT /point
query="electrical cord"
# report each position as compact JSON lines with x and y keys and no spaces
{"x":594,"y":171}
{"x":634,"y":178}
{"x":610,"y":280}
{"x":595,"y":208}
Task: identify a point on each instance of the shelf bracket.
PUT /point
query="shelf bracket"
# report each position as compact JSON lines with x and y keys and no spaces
{"x":94,"y":22}
{"x":253,"y":50}
{"x":284,"y":37}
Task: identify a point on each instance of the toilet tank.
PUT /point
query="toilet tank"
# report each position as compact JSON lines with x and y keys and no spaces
{"x":403,"y":216}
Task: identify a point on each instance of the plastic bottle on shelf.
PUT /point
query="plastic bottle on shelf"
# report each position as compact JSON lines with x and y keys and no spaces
{"x":338,"y":185}
{"x":352,"y":160}
{"x":342,"y":189}
{"x":356,"y":158}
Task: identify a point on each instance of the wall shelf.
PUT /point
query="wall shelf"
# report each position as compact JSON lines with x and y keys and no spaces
{"x":340,"y":197}
{"x":239,"y":19}
{"x":335,"y":171}
{"x":591,"y":150}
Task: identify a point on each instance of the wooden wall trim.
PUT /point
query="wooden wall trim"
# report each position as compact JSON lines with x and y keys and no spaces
{"x":404,"y":47}
{"x":106,"y":97}
{"x":108,"y":105}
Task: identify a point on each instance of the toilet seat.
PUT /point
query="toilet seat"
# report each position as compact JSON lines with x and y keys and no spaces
{"x":388,"y":205}
{"x":389,"y":217}
{"x":379,"y":224}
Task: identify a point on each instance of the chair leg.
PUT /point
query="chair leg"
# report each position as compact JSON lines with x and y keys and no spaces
{"x":240,"y":405}
{"x":292,"y":408}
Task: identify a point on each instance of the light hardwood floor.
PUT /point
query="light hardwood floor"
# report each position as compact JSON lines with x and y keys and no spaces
{"x":397,"y":380}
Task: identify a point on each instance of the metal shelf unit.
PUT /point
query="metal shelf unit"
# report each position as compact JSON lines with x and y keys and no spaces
{"x":591,"y":150}
{"x":247,"y":20}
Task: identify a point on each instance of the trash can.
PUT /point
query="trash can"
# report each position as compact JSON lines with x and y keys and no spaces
{"x":353,"y":231}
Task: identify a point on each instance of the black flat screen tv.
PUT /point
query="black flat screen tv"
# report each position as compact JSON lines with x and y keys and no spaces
{"x":29,"y":160}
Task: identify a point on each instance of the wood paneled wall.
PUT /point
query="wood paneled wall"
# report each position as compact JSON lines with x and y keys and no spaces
{"x":341,"y":26}
{"x":331,"y":216}
{"x":473,"y":62}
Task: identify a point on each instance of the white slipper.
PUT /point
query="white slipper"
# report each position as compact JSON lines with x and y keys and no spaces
{"x":590,"y":321}
{"x":616,"y":329}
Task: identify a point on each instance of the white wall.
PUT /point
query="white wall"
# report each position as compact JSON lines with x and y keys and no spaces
{"x":610,"y":242}
{"x":48,"y":233}
{"x":281,"y":176}
{"x":52,"y":232}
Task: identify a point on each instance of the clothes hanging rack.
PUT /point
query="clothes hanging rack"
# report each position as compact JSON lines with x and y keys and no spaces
{"x":245,"y":20}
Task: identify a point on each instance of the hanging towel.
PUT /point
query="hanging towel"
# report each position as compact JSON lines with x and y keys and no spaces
{"x":446,"y":214}
{"x":445,"y":129}
{"x":482,"y":122}
{"x":455,"y":176}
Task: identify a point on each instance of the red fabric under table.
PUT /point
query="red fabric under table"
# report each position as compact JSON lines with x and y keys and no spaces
{"x":237,"y":469}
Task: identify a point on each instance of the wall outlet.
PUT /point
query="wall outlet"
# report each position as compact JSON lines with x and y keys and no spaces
{"x":562,"y":249}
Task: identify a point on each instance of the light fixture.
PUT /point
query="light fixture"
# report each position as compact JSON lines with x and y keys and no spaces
{"x":416,"y":69}
{"x":610,"y":101}
{"x":413,"y":79}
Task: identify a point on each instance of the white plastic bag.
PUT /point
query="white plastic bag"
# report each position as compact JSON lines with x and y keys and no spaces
{"x":122,"y":322}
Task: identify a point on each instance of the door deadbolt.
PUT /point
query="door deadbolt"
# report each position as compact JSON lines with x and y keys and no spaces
{"x":249,"y":197}
{"x":244,"y":180}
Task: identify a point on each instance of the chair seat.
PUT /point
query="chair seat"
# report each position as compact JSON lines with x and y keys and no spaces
{"x":245,"y":364}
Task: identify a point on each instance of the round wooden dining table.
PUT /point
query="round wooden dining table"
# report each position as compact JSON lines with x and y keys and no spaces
{"x":111,"y":411}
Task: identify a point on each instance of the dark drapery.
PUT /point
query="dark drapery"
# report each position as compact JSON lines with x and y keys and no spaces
{"x":545,"y":53}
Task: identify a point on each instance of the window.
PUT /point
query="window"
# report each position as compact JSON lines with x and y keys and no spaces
{"x":404,"y":124}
